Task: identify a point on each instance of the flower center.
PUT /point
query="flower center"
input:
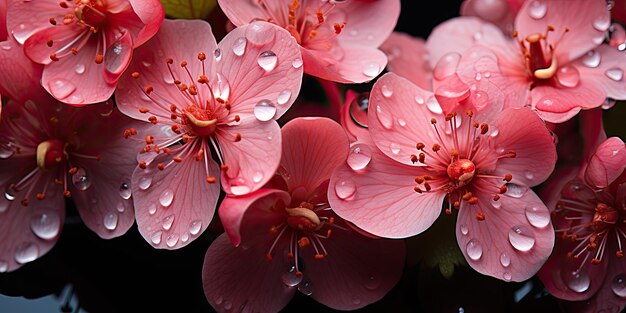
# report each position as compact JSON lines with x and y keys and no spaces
{"x":49,"y":154}
{"x":199,"y":120}
{"x":461,"y":171}
{"x":539,"y":55}
{"x":303,"y":218}
{"x":604,"y":216}
{"x":91,"y":13}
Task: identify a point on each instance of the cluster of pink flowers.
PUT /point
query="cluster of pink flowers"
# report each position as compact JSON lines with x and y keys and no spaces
{"x":141,"y":118}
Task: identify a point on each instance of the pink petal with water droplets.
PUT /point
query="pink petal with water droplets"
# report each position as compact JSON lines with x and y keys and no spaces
{"x":106,"y":206}
{"x":153,"y":69}
{"x":561,"y":103}
{"x":63,"y":39}
{"x":575,"y":31}
{"x":521,"y":130}
{"x":607,"y":163}
{"x":258,"y":64}
{"x":24,"y":74}
{"x":28,"y":232}
{"x":392,"y":99}
{"x":230,"y":281}
{"x":358,"y":15}
{"x":178,"y":202}
{"x":25,"y":18}
{"x":312,"y":149}
{"x":255,"y":207}
{"x":380,"y":198}
{"x":357,"y":64}
{"x":609,"y":73}
{"x":407,"y":58}
{"x":348,"y":116}
{"x":240,"y":13}
{"x":505,"y":230}
{"x":253,"y":160}
{"x":364,"y":270}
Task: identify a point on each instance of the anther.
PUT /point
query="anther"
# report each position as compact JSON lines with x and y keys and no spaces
{"x":169,"y":61}
{"x":433,"y":121}
{"x":134,"y":75}
{"x":436,"y":147}
{"x":72,"y":170}
{"x":211,"y":179}
{"x":508,"y":177}
{"x":304,"y":242}
{"x":422,"y":157}
{"x":183,"y":63}
{"x":484,"y":128}
{"x":419,"y":179}
{"x":54,"y":57}
{"x":152,"y":119}
{"x":473,"y":200}
{"x":67,"y":193}
{"x":480,"y":216}
{"x":99,"y":58}
{"x":413,"y":158}
{"x":224,"y":167}
{"x":177,"y":159}
{"x":40,"y":196}
{"x":144,"y":110}
{"x":161,"y":166}
{"x":53,"y":21}
{"x":63,"y":5}
{"x":503,"y":189}
{"x":49,"y":43}
{"x":143,"y":165}
{"x":319,"y":257}
{"x":201,"y":56}
{"x":149,"y":140}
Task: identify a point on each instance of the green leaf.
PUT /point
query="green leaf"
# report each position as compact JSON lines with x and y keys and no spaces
{"x":188,"y":9}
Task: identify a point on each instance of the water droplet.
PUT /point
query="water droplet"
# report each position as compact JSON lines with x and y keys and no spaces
{"x":386,"y":91}
{"x":478,"y":36}
{"x":537,"y":217}
{"x":152,"y":209}
{"x":464,"y":230}
{"x":602,"y":23}
{"x":297,"y":63}
{"x":9,"y":194}
{"x":146,"y":63}
{"x":116,"y":56}
{"x":239,"y":190}
{"x":394,"y":147}
{"x":5,"y":152}
{"x":5,"y":46}
{"x":615,"y":74}
{"x":608,"y":103}
{"x":577,"y":281}
{"x":145,"y":182}
{"x":156,"y":237}
{"x":305,"y":288}
{"x":478,"y":76}
{"x":221,"y":88}
{"x":433,"y":105}
{"x":537,"y":9}
{"x":264,"y":110}
{"x":26,"y":252}
{"x":487,"y":74}
{"x":46,"y":225}
{"x":194,"y":227}
{"x":592,"y":59}
{"x":446,"y":66}
{"x":496,"y":203}
{"x":371,"y":70}
{"x":217,"y":54}
{"x":61,"y":88}
{"x":372,"y":283}
{"x":110,"y":221}
{"x":79,"y":68}
{"x":356,"y":300}
{"x":257,"y":177}
{"x":419,"y":99}
{"x":401,"y":122}
{"x":568,"y":76}
{"x":239,"y":46}
{"x":494,"y":131}
{"x":4,"y":266}
{"x":171,"y":240}
{"x":507,"y":276}
{"x":292,"y":277}
{"x":359,"y":157}
{"x":618,"y":285}
{"x":345,"y":189}
{"x":228,"y":305}
{"x":267,"y":60}
{"x":383,"y":117}
{"x":120,"y":207}
{"x":515,"y":190}
{"x":166,"y":198}
{"x":125,"y":191}
{"x":521,"y":238}
{"x":184,"y":237}
{"x":474,"y":249}
{"x":505,"y":260}
{"x":283,"y":97}
{"x":167,"y":222}
{"x":81,"y":180}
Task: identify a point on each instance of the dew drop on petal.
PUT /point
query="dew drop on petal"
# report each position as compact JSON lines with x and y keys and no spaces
{"x":356,"y":300}
{"x":515,"y":190}
{"x":267,"y":60}
{"x":5,"y":152}
{"x":81,"y":180}
{"x":156,"y":237}
{"x":521,"y":238}
{"x":120,"y":207}
{"x":61,"y":88}
{"x":110,"y":221}
{"x":264,"y":110}
{"x":537,"y":217}
{"x":305,"y":288}
{"x":592,"y":59}
{"x":505,"y":260}
{"x":401,"y":122}
{"x":297,"y":63}
{"x":184,"y":237}
{"x":283,"y":97}
{"x":394,"y":147}
{"x":359,"y":157}
{"x":446,"y":66}
{"x":608,"y":103}
{"x":194,"y":227}
{"x":618,"y":285}
{"x":26,"y":252}
{"x":371,"y":70}
{"x":145,"y":182}
{"x":171,"y":240}
{"x":4,"y":266}
{"x":464,"y":230}
{"x":474,"y":249}
{"x":384,"y":117}
{"x":537,"y":9}
{"x":292,"y":277}
{"x":217,"y":54}
{"x":577,"y":281}
{"x":221,"y":87}
{"x":433,"y":105}
{"x":615,"y":74}
{"x":79,"y":69}
{"x":46,"y":225}
{"x":507,"y":276}
{"x":568,"y":76}
{"x":496,"y":203}
{"x":419,"y":99}
{"x":602,"y":23}
{"x":125,"y":191}
{"x":529,"y":174}
{"x":166,"y":198}
{"x":345,"y":189}
{"x":239,"y":46}
{"x":152,"y":209}
{"x":116,"y":56}
{"x":386,"y":91}
{"x":372,"y":283}
{"x":228,"y":305}
{"x":167,"y":222}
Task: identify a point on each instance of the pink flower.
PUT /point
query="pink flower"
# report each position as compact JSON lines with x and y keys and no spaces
{"x":287,"y":237}
{"x":588,"y":262}
{"x":483,"y":167}
{"x":408,"y":58}
{"x":49,"y":151}
{"x":557,"y":62}
{"x":85,"y":45}
{"x":224,"y":97}
{"x":339,"y":39}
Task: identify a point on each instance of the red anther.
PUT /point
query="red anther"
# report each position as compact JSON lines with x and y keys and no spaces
{"x":203,"y":79}
{"x":134,"y":75}
{"x":274,"y":230}
{"x":268,"y":257}
{"x":144,"y":110}
{"x":63,"y":4}
{"x":49,"y":42}
{"x":454,"y":153}
{"x":512,"y":154}
{"x":98,"y":157}
{"x":211,"y":179}
{"x":99,"y":58}
{"x":433,"y":121}
{"x":52,"y":21}
{"x":470,"y":113}
{"x":338,"y":28}
{"x":436,"y":147}
{"x":173,"y":108}
{"x":484,"y":128}
{"x":192,"y":90}
{"x":143,"y":165}
{"x":619,"y":253}
{"x":237,"y":118}
{"x":456,"y":205}
{"x":304,"y":242}
{"x":167,"y":150}
{"x":503,"y":189}
{"x":24,"y":202}
{"x":224,"y":167}
{"x":427,"y":186}
{"x":149,"y":140}
{"x":156,"y":149}
{"x":449,"y":116}
{"x":427,"y":177}
{"x":420,"y":179}
{"x":148,"y":89}
{"x":467,"y":196}
{"x":177,"y":159}
{"x":161,"y":166}
{"x":420,"y":146}
{"x":177,"y":82}
{"x":595,"y":261}
{"x":417,"y":189}
{"x":422,"y":157}
{"x":199,"y":155}
{"x":227,"y":106}
{"x":473,"y":200}
{"x":475,"y":124}
{"x":319,"y":257}
{"x":133,"y":131}
{"x":152,"y":119}
{"x":201,"y":56}
{"x":54,"y":57}
{"x":508,"y":177}
{"x":413,"y":158}
{"x":237,"y":137}
{"x":480,"y":216}
{"x":328,"y":233}
{"x":175,"y":129}
{"x":182,"y":87}
{"x":496,"y":197}
{"x":183,"y":63}
{"x":74,"y":51}
{"x":448,"y":211}
{"x":331,"y":220}
{"x":169,"y":61}
{"x":320,"y":16}
{"x":67,"y":193}
{"x":40,"y":196}
{"x":72,"y":170}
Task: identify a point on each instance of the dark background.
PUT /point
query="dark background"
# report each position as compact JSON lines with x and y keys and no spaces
{"x":127,"y":275}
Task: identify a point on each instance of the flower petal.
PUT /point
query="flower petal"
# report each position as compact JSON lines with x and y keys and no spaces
{"x":608,"y":74}
{"x":559,"y":104}
{"x":20,"y":74}
{"x":151,"y":14}
{"x":406,"y":56}
{"x":26,"y":18}
{"x":240,"y":13}
{"x":356,"y":64}
{"x":312,"y":149}
{"x":607,"y":163}
{"x":358,"y":15}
